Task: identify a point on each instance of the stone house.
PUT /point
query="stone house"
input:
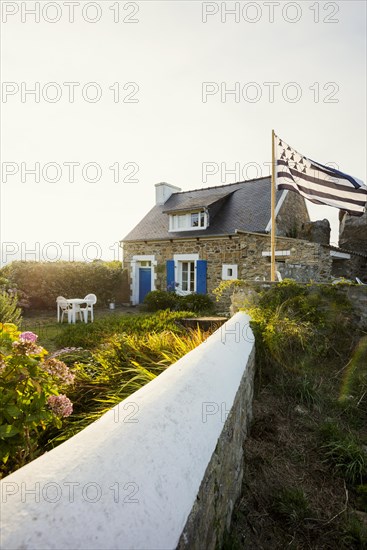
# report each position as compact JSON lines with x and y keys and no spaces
{"x":190,"y":241}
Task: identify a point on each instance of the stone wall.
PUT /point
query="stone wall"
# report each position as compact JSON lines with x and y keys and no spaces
{"x":216,"y":251}
{"x":354,"y":267}
{"x":353,"y":232}
{"x":292,"y":215}
{"x":316,"y":232}
{"x":222,"y":482}
{"x":244,"y":249}
{"x":304,"y":261}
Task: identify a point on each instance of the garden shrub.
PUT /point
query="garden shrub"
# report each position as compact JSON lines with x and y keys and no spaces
{"x":12,"y":290}
{"x":43,"y":282}
{"x":9,"y":310}
{"x":157,"y":300}
{"x":198,"y":303}
{"x":297,"y":325}
{"x":30,"y":398}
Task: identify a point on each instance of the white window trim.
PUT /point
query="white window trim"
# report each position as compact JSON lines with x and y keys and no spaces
{"x":134,"y":272}
{"x":277,"y":253}
{"x":188,"y":227}
{"x":178,"y":258}
{"x":225,"y":276}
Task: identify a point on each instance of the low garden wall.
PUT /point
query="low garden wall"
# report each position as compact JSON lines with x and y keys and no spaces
{"x":161,"y":470}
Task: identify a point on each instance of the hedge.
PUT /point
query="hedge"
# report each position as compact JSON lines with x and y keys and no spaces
{"x":43,"y":282}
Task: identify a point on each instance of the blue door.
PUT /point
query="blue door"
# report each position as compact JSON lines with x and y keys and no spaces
{"x":145,"y":281}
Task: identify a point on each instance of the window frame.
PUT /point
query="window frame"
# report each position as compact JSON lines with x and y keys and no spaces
{"x":226,"y":276}
{"x":202,"y":219}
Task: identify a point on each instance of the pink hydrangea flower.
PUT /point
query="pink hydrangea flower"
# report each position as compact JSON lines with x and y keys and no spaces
{"x":28,"y":336}
{"x":60,"y":405}
{"x":25,"y":347}
{"x":59,"y":370}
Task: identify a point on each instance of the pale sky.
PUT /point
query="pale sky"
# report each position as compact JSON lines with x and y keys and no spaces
{"x":165,"y":130}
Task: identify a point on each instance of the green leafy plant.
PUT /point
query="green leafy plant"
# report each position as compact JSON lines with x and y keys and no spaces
{"x":298,"y":325}
{"x":354,"y":533}
{"x":159,"y":299}
{"x":198,"y":303}
{"x":292,"y":505}
{"x":225,"y":286}
{"x":307,"y":391}
{"x":344,"y":453}
{"x":119,"y":367}
{"x":9,"y":310}
{"x":91,"y":335}
{"x":30,"y":398}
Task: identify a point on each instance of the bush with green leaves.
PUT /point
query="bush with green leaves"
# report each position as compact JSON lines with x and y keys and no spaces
{"x":12,"y":290}
{"x":9,"y":310}
{"x":30,"y":398}
{"x":43,"y":282}
{"x":297,"y":325}
{"x":198,"y":303}
{"x":157,"y":300}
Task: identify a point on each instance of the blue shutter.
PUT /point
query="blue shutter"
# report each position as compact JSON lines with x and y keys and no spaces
{"x":170,"y":266}
{"x":201,"y":276}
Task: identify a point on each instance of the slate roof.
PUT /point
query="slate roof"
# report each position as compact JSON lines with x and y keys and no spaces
{"x":245,"y":206}
{"x":190,"y":200}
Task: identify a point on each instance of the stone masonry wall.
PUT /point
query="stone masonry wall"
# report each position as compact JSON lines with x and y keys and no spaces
{"x":221,"y":486}
{"x":292,"y":215}
{"x":306,"y":260}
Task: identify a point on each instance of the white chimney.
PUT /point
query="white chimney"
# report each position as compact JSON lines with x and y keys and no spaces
{"x":163,"y":191}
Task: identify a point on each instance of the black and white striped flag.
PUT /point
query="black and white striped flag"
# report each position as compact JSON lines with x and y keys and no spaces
{"x":318,"y":183}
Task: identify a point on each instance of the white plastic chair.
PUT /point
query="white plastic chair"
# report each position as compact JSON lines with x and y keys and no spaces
{"x":64,"y":307}
{"x":91,"y":299}
{"x":280,"y":278}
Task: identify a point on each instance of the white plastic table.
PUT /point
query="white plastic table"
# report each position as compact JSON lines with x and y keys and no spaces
{"x":74,"y":302}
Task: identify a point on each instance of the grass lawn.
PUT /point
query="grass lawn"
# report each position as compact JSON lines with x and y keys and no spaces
{"x":45,"y":325}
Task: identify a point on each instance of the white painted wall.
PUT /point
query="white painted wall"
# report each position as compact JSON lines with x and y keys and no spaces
{"x":129,"y":481}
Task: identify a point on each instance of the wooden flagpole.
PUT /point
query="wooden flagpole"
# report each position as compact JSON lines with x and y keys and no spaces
{"x":273,"y":228}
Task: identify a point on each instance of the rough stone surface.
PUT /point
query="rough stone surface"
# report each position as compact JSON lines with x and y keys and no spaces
{"x":221,"y":485}
{"x":316,"y":232}
{"x":292,"y":215}
{"x":353,"y":233}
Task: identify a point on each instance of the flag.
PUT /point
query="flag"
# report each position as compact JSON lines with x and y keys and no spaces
{"x":318,"y":183}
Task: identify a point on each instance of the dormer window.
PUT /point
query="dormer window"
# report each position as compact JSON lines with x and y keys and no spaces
{"x":188,"y":221}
